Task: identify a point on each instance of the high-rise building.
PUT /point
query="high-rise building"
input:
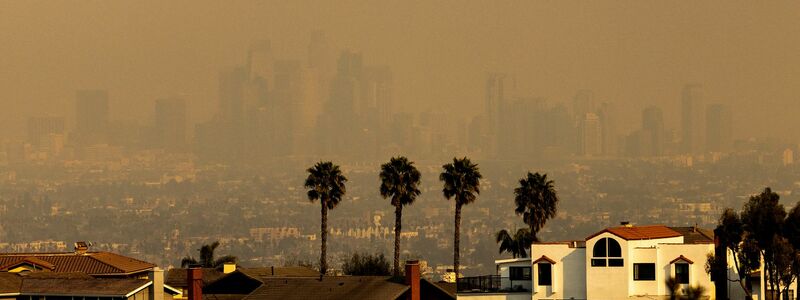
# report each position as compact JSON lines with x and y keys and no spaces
{"x":693,"y":119}
{"x":170,"y":127}
{"x":652,"y":135}
{"x":583,"y":103}
{"x":719,"y":131}
{"x":498,"y":86}
{"x":40,"y":128}
{"x":231,"y":94}
{"x":91,"y":116}
{"x":260,"y":61}
{"x":589,"y":139}
{"x":608,"y":127}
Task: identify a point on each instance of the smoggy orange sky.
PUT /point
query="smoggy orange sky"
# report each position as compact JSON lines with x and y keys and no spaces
{"x":633,"y":53}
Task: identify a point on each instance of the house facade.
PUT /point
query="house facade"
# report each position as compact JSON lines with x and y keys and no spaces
{"x":625,"y":262}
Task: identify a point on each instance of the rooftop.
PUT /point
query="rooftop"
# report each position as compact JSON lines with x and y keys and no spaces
{"x":648,"y":232}
{"x":92,"y":263}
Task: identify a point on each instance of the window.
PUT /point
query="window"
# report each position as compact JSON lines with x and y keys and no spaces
{"x":682,"y":273}
{"x":519,"y":273}
{"x":545,"y":274}
{"x":644,"y":272}
{"x":607,"y":252}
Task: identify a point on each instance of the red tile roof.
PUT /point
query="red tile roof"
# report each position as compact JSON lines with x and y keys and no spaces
{"x":544,"y":258}
{"x":93,"y":263}
{"x":640,"y":232}
{"x":683,"y":258}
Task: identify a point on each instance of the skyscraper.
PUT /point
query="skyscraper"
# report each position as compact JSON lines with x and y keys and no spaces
{"x":91,"y":116}
{"x":719,"y":131}
{"x":498,"y":139}
{"x":693,"y":119}
{"x":260,"y":61}
{"x":589,"y":139}
{"x":170,"y":127}
{"x":608,"y":127}
{"x":652,"y":136}
{"x":231,"y":94}
{"x":583,"y":103}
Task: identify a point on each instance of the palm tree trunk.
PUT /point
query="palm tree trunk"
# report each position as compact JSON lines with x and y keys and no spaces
{"x":457,"y":239}
{"x":323,"y":264}
{"x":398,"y":216}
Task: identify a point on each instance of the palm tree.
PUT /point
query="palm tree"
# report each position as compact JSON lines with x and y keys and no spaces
{"x":536,"y":201}
{"x":461,"y":181}
{"x":400,"y":181}
{"x":515,"y":244}
{"x":207,"y":258}
{"x":325,"y":183}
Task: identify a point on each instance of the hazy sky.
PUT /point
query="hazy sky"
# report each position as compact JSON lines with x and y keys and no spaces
{"x":634,"y":53}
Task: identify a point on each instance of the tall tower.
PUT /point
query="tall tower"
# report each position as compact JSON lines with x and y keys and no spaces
{"x":91,"y":116}
{"x":170,"y":118}
{"x":260,"y":61}
{"x":589,"y":135}
{"x":608,"y":126}
{"x":231,"y":94}
{"x":497,"y":87}
{"x":652,"y":135}
{"x":693,"y":119}
{"x":583,"y":103}
{"x":719,"y":131}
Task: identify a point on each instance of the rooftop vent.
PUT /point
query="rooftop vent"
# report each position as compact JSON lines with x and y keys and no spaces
{"x":82,"y":247}
{"x":626,"y":224}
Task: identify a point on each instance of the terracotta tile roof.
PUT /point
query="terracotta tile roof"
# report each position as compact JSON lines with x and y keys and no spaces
{"x":683,"y":258}
{"x":544,"y":258}
{"x":330,"y":288}
{"x":640,"y":232}
{"x":28,"y":260}
{"x":92,"y":263}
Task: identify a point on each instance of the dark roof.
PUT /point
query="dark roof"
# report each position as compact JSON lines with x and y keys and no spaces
{"x":9,"y":282}
{"x":437,"y":290}
{"x":177,"y":277}
{"x":81,"y":287}
{"x":67,"y":284}
{"x":681,"y":258}
{"x":544,"y":258}
{"x":93,"y":263}
{"x":695,"y":235}
{"x":640,"y":232}
{"x":280,"y":272}
{"x":329,"y":288}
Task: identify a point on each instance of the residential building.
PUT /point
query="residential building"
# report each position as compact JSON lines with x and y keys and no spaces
{"x":625,"y":262}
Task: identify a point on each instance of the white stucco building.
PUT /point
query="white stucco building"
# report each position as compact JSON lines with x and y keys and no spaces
{"x":625,"y":262}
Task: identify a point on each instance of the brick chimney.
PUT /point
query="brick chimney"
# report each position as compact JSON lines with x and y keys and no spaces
{"x":412,"y":279}
{"x":195,"y":283}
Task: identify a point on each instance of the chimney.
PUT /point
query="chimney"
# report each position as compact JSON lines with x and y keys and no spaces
{"x":625,"y":224}
{"x":157,"y":289}
{"x":228,"y":268}
{"x":195,"y":283}
{"x":412,"y":279}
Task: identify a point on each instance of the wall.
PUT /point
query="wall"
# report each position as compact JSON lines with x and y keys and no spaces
{"x":607,"y":282}
{"x":569,"y":271}
{"x":503,"y":271}
{"x":497,"y":296}
{"x":697,"y":253}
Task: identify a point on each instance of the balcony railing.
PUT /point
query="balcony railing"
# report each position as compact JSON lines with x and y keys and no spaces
{"x":492,"y":284}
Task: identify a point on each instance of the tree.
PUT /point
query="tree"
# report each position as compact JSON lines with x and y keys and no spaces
{"x":207,"y":258}
{"x":515,"y":244}
{"x":791,"y":230}
{"x":366,"y":265}
{"x":461,"y":180}
{"x":536,"y":200}
{"x":730,"y":233}
{"x":326,"y":183}
{"x":399,"y":181}
{"x":762,"y":217}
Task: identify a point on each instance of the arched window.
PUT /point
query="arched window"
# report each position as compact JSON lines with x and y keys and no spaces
{"x":607,"y":252}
